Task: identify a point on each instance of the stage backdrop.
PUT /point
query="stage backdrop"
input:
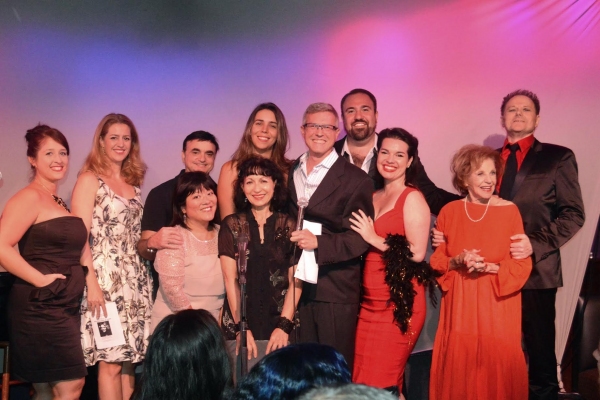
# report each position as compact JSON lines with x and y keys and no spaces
{"x":438,"y":68}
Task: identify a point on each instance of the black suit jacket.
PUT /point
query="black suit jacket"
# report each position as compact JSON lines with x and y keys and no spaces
{"x":436,"y":198}
{"x":548,"y":195}
{"x":344,"y":189}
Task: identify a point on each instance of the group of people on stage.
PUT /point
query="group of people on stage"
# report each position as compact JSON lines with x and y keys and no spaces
{"x":369,"y":203}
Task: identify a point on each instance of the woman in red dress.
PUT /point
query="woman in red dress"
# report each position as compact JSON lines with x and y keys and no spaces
{"x":393,"y":306}
{"x":477,"y":352}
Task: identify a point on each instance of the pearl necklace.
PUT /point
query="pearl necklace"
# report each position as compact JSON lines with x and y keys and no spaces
{"x":485,"y":212}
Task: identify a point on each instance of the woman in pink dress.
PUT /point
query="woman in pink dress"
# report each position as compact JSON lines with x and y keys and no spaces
{"x":191,"y":277}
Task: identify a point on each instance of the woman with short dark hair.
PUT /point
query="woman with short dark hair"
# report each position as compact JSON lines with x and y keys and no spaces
{"x":191,"y":277}
{"x":259,"y":195}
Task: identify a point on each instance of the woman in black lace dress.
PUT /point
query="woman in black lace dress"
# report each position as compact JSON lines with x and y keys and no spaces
{"x":259,"y":193}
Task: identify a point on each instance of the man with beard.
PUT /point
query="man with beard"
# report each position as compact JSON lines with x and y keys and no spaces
{"x":359,"y":147}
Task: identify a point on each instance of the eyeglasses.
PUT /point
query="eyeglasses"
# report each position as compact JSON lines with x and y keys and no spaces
{"x":325,"y":128}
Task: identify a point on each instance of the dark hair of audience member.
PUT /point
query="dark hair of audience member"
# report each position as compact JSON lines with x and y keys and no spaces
{"x":186,"y":359}
{"x":257,"y":165}
{"x":469,"y":158}
{"x":410,"y":177}
{"x":292,"y":370}
{"x":202,"y":136}
{"x":188,"y":183}
{"x":35,"y":136}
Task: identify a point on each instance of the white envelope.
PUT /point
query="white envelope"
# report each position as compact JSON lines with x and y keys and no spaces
{"x":308,"y":270}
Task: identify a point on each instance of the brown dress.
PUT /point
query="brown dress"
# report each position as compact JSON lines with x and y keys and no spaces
{"x":44,"y":322}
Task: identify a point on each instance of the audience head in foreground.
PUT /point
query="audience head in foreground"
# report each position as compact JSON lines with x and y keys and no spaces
{"x":350,"y":391}
{"x":186,"y":359}
{"x":289,"y":372}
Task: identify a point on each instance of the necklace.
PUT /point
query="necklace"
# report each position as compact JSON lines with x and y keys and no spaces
{"x":485,"y":212}
{"x":56,"y":199}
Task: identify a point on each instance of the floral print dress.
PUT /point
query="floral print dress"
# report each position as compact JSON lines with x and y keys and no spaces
{"x":123,"y":278}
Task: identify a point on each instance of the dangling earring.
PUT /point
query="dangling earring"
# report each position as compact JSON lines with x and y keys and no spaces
{"x":245,"y":199}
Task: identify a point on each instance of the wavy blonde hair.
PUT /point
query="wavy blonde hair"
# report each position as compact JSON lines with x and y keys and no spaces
{"x":133,"y":168}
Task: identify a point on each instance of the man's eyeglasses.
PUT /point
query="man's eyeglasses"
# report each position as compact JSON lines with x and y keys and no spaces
{"x":325,"y":128}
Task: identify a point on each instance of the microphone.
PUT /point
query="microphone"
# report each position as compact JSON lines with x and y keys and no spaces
{"x":302,"y":203}
{"x":242,"y":246}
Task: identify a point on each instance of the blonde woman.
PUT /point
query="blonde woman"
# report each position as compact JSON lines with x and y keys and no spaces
{"x":107,"y":197}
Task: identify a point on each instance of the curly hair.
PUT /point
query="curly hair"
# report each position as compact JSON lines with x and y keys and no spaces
{"x":257,"y":165}
{"x":133,"y":168}
{"x":467,"y":159}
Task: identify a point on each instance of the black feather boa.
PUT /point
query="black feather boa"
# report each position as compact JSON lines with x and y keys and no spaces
{"x":400,"y":270}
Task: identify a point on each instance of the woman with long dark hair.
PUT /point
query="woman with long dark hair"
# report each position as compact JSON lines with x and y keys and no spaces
{"x":265,"y":135}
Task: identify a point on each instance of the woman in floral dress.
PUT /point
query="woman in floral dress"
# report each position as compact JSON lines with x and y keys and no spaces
{"x":107,"y":198}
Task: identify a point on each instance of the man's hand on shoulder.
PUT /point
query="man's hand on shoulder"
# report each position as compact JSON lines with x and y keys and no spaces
{"x":165,"y":238}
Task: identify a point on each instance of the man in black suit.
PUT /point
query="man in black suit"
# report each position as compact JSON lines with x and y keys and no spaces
{"x":359,"y":146}
{"x":335,"y":188}
{"x":541,"y":179}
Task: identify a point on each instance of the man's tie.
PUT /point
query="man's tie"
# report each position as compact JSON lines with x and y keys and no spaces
{"x":510,"y":172}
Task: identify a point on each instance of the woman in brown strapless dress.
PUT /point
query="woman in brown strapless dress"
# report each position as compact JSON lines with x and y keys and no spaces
{"x":44,"y":301}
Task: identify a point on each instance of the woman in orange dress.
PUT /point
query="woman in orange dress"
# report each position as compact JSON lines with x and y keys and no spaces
{"x":393,"y":305}
{"x":477,"y":350}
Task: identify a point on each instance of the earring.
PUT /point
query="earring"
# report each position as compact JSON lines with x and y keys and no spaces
{"x":245,"y":199}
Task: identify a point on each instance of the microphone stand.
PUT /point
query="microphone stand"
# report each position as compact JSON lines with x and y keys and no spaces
{"x":302,"y":203}
{"x":242,"y":246}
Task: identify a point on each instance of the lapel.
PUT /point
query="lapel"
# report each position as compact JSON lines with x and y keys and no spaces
{"x":329,"y":184}
{"x":528,"y":162}
{"x":291,"y":184}
{"x":373,"y":166}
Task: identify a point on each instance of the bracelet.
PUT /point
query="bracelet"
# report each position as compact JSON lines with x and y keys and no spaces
{"x":285,"y":325}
